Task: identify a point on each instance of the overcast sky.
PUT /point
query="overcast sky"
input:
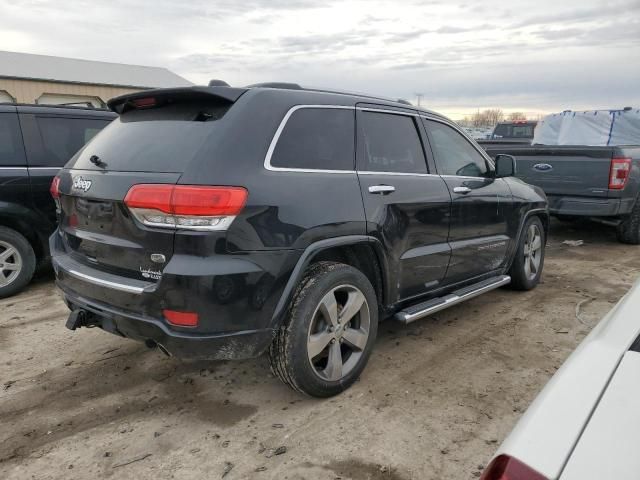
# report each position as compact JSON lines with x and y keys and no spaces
{"x":533,"y":56}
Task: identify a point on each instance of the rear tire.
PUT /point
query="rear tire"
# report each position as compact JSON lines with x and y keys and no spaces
{"x":17,"y":262}
{"x":628,"y":230}
{"x":327,"y":337}
{"x":526,"y":269}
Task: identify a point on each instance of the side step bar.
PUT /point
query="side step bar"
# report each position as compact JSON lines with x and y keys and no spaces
{"x":434,"y":305}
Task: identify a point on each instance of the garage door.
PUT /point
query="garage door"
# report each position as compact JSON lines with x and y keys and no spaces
{"x":5,"y":97}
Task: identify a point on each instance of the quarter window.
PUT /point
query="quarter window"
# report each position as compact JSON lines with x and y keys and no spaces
{"x":63,"y":137}
{"x":454,"y":155}
{"x":390,"y":143}
{"x":11,"y":148}
{"x":317,"y":139}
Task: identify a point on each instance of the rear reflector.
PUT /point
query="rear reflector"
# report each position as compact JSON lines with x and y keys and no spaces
{"x":186,"y":206}
{"x":181,"y":319}
{"x":619,"y":173}
{"x":504,"y":467}
{"x":55,"y":187}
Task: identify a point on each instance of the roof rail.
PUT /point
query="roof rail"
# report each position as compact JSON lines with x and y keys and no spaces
{"x":56,"y":105}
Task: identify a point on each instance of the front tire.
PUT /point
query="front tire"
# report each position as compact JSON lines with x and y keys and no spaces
{"x":17,"y":262}
{"x":526,"y":269}
{"x":326,"y":340}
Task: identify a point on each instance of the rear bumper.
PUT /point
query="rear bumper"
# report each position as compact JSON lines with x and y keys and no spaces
{"x":589,"y":206}
{"x":226,"y":346}
{"x":234,"y":296}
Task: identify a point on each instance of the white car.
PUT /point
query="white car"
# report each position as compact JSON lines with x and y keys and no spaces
{"x":585,"y":423}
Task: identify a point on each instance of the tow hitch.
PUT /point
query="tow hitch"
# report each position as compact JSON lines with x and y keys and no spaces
{"x":78,"y":318}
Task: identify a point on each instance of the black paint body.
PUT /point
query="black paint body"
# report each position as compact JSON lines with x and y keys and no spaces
{"x":424,"y":239}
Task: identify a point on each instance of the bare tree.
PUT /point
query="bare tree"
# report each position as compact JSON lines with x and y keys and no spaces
{"x":486,"y":118}
{"x":494,"y":115}
{"x":465,"y":122}
{"x":515,"y":116}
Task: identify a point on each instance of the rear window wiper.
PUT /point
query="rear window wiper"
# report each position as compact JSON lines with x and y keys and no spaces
{"x":203,"y":117}
{"x":97,"y":162}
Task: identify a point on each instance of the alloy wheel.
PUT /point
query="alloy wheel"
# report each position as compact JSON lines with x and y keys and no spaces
{"x":532,"y":252}
{"x":338,"y":333}
{"x":10,"y":263}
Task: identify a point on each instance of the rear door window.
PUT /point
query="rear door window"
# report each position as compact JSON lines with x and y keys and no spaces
{"x":454,"y":154}
{"x":11,"y":147}
{"x":62,"y":137}
{"x":317,"y":139}
{"x":390,"y":143}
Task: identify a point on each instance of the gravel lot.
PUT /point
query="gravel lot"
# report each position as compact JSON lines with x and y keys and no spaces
{"x":434,"y":402}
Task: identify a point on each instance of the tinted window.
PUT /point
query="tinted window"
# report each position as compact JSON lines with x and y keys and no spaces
{"x":454,"y":155}
{"x":317,"y":138}
{"x":508,"y":130}
{"x":11,"y":149}
{"x":160,"y":139}
{"x":390,"y":143}
{"x":63,"y":137}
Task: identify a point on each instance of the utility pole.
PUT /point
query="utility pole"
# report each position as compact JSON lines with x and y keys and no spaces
{"x":419,"y":97}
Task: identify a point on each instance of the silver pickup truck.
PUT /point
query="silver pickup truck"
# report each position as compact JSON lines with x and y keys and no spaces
{"x":599,"y":183}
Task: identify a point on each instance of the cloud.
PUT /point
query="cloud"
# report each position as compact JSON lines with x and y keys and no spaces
{"x":405,"y":36}
{"x":615,"y":34}
{"x":323,"y":42}
{"x":580,"y":15}
{"x":543,"y":55}
{"x":456,"y":29}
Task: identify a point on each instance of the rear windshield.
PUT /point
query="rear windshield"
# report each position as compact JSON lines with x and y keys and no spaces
{"x":514,"y":130}
{"x":159,"y":139}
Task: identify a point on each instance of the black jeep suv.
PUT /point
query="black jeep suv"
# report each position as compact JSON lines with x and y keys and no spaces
{"x":224,"y":222}
{"x":35,"y":142}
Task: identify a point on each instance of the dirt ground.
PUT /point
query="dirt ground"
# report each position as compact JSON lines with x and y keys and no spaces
{"x":435,"y":401}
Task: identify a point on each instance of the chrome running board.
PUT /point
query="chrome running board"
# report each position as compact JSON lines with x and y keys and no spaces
{"x":434,"y":305}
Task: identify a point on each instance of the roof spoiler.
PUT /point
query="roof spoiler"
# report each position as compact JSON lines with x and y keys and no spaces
{"x":170,"y":95}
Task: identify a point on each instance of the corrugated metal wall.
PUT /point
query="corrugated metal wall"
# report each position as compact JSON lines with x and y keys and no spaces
{"x":28,"y":91}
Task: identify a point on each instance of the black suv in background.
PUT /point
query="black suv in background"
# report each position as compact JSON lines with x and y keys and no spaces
{"x":35,"y":142}
{"x":223,"y":222}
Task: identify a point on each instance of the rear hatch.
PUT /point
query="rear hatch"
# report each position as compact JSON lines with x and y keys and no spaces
{"x":560,"y":170}
{"x":152,"y":142}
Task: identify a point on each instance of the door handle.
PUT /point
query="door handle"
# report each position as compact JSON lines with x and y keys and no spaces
{"x":463,"y":190}
{"x":382,"y":189}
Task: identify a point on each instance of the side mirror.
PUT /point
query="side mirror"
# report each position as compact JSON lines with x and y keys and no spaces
{"x":505,"y":165}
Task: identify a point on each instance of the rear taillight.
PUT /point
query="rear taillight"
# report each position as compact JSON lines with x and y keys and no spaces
{"x":504,"y":467}
{"x":55,"y":188}
{"x":619,"y":173}
{"x":186,"y":206}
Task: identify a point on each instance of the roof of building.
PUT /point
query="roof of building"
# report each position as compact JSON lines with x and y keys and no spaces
{"x":72,"y":70}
